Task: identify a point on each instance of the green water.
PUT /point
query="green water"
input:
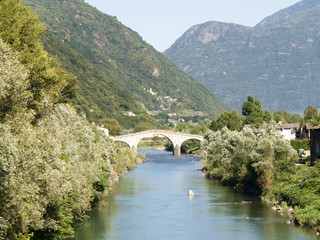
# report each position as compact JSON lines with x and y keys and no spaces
{"x":151,"y":203}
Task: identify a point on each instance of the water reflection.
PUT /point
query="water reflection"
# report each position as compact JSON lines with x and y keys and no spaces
{"x":151,"y":202}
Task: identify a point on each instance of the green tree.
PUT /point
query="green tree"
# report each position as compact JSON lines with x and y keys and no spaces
{"x":247,"y":161}
{"x":267,"y":116}
{"x":297,"y":118}
{"x":22,"y":30}
{"x":231,"y":120}
{"x":14,"y":96}
{"x":142,"y":126}
{"x":310,"y":113}
{"x":282,"y":116}
{"x":251,"y":110}
{"x":112,"y":125}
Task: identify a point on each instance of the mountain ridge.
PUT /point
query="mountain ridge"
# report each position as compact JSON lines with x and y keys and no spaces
{"x":275,"y":63}
{"x":294,"y":10}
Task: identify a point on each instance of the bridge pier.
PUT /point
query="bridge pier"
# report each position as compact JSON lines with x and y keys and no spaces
{"x":177,"y":150}
{"x":134,"y":148}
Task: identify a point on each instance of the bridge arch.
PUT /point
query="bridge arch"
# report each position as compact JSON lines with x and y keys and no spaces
{"x":189,"y":141}
{"x":175,"y":137}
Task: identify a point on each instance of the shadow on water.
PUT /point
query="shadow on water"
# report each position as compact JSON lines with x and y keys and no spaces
{"x":151,"y":202}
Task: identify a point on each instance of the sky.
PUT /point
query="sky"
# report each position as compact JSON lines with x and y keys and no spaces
{"x":162,"y":22}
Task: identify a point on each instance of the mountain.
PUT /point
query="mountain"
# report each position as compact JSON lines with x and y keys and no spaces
{"x":99,"y":97}
{"x":277,"y":63}
{"x":292,"y":11}
{"x":153,"y":81}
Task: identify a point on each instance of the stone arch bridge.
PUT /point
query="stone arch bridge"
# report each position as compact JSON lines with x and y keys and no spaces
{"x":175,"y":137}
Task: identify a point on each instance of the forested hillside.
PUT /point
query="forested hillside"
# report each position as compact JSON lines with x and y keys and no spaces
{"x":121,"y":54}
{"x":98,"y":96}
{"x":277,"y":63}
{"x":53,"y":163}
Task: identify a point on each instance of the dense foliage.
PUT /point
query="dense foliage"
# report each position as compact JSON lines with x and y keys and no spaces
{"x":300,"y":189}
{"x":253,"y":113}
{"x":51,"y":173}
{"x":112,"y":125}
{"x":53,"y":162}
{"x":122,"y":56}
{"x":264,"y":164}
{"x":274,"y":62}
{"x":285,"y":117}
{"x":247,"y":161}
{"x":231,"y":120}
{"x":21,"y":29}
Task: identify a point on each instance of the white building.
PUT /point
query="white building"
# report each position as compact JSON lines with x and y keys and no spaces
{"x":289,"y":130}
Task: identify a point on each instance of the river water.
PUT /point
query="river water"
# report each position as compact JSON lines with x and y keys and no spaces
{"x":151,"y":203}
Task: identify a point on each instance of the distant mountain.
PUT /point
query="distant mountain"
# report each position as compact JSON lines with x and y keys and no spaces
{"x":123,"y":57}
{"x":289,"y":12}
{"x":277,"y":63}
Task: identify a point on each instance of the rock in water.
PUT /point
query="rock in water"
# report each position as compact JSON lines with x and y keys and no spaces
{"x":190,"y":193}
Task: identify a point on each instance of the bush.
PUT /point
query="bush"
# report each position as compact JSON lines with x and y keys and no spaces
{"x":247,"y":160}
{"x":300,"y":144}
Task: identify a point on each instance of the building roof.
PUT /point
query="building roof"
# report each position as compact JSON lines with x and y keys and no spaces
{"x":309,"y":126}
{"x":290,"y":126}
{"x":316,"y":128}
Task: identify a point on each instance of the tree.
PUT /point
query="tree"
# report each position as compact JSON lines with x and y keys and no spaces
{"x":297,"y":118}
{"x":142,"y":126}
{"x":112,"y":125}
{"x":22,"y":30}
{"x":14,"y":96}
{"x":231,"y":120}
{"x":267,"y":116}
{"x":310,"y":113}
{"x":252,"y":112}
{"x":282,"y":116}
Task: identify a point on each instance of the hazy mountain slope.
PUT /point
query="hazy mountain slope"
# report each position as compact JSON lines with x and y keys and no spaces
{"x":125,"y":58}
{"x":276,"y":63}
{"x":292,"y":11}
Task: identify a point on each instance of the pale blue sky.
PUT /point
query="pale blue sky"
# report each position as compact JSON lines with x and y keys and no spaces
{"x":162,"y":22}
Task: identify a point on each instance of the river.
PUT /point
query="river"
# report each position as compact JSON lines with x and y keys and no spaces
{"x":151,"y":203}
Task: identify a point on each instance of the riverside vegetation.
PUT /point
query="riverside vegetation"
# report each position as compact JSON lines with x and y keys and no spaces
{"x":264,"y":164}
{"x":54,"y":164}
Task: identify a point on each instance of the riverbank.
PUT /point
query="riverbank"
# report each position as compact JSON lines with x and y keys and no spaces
{"x":125,"y":160}
{"x":300,"y":191}
{"x":264,"y":165}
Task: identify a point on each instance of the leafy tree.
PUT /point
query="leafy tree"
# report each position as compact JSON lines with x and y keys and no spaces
{"x":251,"y":109}
{"x":297,"y":118}
{"x":14,"y":96}
{"x":143,"y":126}
{"x":267,"y":116}
{"x":22,"y":30}
{"x":282,"y":116}
{"x":112,"y":125}
{"x":310,"y":113}
{"x":247,"y":161}
{"x":252,"y":112}
{"x":231,"y":120}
